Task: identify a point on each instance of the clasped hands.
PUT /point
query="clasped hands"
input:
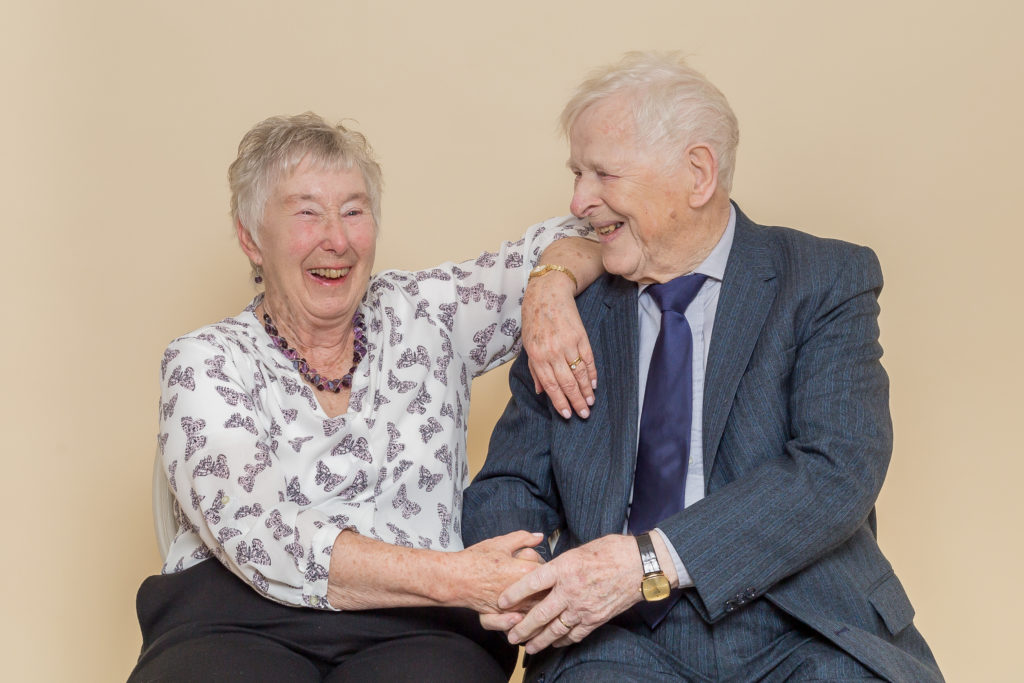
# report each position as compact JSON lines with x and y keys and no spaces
{"x":561,"y":602}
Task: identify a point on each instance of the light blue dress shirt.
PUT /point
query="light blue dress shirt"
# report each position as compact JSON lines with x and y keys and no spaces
{"x":700,"y":315}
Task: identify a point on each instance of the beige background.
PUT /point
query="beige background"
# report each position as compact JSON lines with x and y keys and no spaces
{"x":895,"y":124}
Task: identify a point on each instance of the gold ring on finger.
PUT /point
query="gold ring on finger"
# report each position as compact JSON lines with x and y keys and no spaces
{"x":567,"y":627}
{"x":573,"y":365}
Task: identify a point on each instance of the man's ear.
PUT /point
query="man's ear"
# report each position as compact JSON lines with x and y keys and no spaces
{"x":248,"y":244}
{"x":702,"y":163}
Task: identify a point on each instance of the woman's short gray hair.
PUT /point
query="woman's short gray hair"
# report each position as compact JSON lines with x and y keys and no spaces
{"x":272,"y":149}
{"x":674,"y":106}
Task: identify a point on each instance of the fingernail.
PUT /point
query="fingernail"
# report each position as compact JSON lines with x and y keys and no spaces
{"x":593,"y":384}
{"x":584,"y":413}
{"x":537,"y":534}
{"x":566,"y":414}
{"x":590,"y":400}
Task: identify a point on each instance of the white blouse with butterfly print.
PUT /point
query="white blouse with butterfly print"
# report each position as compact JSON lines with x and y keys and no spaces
{"x":265,"y":481}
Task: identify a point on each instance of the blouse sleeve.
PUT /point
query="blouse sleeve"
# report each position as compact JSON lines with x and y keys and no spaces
{"x":220,"y":457}
{"x":478,"y":301}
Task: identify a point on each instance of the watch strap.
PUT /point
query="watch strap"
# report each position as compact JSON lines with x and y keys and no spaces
{"x":648,"y":556}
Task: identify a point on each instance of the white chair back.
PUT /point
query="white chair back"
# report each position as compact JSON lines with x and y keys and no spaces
{"x":163,"y":508}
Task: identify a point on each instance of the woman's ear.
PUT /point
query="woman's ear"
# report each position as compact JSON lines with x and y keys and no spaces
{"x":703,"y":166}
{"x":248,"y":244}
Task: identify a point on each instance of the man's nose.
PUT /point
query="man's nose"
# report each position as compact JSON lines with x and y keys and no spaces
{"x":584,"y":197}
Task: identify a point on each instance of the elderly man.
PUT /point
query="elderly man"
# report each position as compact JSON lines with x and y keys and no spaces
{"x":714,"y":517}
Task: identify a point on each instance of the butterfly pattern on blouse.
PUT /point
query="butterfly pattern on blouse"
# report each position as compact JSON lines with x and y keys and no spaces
{"x":185,"y":378}
{"x":254,"y":510}
{"x":255,"y":553}
{"x":402,"y":503}
{"x":326,"y":479}
{"x":482,"y":339}
{"x":169,"y":355}
{"x":297,"y":442}
{"x":400,"y":469}
{"x":433,"y":274}
{"x":212,"y":512}
{"x":357,"y":447}
{"x":444,"y":455}
{"x":194,"y":440}
{"x":422,"y":310}
{"x":275,"y":522}
{"x":427,"y":431}
{"x":382,"y":477}
{"x":215,"y":369}
{"x":394,"y":336}
{"x":419,"y":404}
{"x":358,"y":485}
{"x":233,"y":398}
{"x":293,"y":493}
{"x":395,"y":447}
{"x":262,"y":462}
{"x":167,"y":409}
{"x":401,"y":536}
{"x":246,"y":423}
{"x":428,"y":480}
{"x":486,"y":259}
{"x":208,"y":466}
{"x":418,"y":357}
{"x":447,"y":316}
{"x":444,"y":359}
{"x":397,"y":385}
{"x":446,"y":520}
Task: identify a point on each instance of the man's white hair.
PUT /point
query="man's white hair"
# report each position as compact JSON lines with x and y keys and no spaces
{"x":674,"y":106}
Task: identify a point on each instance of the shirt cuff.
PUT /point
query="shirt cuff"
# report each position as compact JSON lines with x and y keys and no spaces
{"x":684,"y":576}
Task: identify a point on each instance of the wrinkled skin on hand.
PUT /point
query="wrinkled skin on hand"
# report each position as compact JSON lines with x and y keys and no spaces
{"x":586,"y":587}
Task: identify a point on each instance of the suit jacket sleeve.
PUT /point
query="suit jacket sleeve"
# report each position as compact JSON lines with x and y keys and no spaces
{"x":806,"y":445}
{"x":515,"y":489}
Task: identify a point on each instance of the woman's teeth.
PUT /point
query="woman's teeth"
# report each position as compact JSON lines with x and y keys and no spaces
{"x":609,"y":229}
{"x":331,"y":273}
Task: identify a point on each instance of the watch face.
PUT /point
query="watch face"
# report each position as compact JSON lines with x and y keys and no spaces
{"x":655,"y":587}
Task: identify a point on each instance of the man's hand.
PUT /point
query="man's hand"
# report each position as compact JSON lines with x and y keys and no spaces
{"x":585,"y":588}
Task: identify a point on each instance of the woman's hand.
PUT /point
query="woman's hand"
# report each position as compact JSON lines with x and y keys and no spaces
{"x":561,"y":361}
{"x":487,"y":568}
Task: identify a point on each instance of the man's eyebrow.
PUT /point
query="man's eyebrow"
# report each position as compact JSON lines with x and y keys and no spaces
{"x":305,"y":197}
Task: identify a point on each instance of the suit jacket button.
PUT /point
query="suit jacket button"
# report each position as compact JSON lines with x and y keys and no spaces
{"x":750,"y":593}
{"x":730,"y":606}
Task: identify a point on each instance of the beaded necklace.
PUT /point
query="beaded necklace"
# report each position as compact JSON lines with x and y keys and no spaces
{"x":300,"y":364}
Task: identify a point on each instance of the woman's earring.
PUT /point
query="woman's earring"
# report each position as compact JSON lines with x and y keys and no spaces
{"x":257,"y":272}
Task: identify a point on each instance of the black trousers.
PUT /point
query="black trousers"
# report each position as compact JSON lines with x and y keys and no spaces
{"x":204,"y":624}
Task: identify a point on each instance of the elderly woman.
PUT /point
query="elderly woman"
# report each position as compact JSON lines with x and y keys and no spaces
{"x":316,"y":442}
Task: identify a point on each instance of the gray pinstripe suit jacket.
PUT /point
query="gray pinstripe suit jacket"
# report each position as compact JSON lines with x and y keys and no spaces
{"x":797,"y":439}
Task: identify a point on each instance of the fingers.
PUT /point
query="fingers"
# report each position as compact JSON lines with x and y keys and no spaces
{"x":569,"y":383}
{"x":528,"y":554}
{"x":548,"y":623}
{"x":540,"y":579}
{"x":502,"y":621}
{"x":516,"y":542}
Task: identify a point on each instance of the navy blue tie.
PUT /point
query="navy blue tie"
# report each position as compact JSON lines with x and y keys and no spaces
{"x":663,"y":451}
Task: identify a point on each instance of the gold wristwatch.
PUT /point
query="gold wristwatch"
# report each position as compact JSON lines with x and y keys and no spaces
{"x":655,"y":584}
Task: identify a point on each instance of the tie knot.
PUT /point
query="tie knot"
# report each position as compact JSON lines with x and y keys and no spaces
{"x":676,"y":295}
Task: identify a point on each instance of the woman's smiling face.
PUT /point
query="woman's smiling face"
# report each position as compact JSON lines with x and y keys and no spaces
{"x":317,"y":244}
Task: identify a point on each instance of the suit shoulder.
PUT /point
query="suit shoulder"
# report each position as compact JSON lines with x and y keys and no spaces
{"x":800,"y":254}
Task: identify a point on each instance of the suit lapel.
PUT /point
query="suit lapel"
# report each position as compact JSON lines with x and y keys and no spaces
{"x":747,"y":294}
{"x":619,"y":343}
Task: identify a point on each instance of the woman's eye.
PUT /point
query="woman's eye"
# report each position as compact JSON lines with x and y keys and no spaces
{"x":354,"y":212}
